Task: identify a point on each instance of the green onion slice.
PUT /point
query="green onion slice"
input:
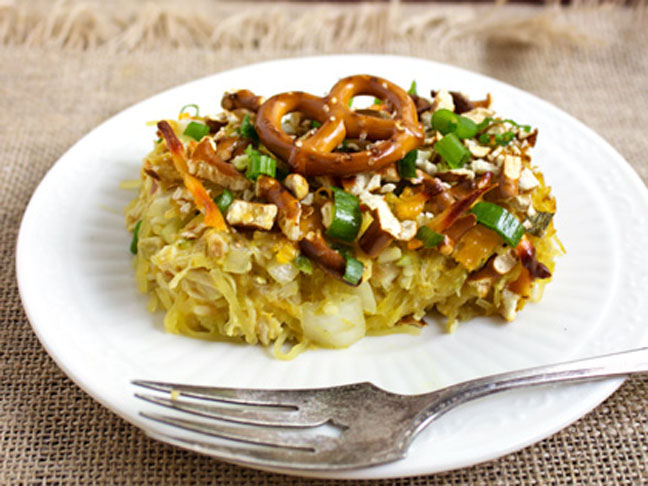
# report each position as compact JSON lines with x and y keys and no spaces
{"x":407,"y":165}
{"x":496,"y":138}
{"x":259,"y":164}
{"x":445,"y":121}
{"x":135,"y":239}
{"x":304,"y":265}
{"x":224,"y":200}
{"x":429,"y":237}
{"x":353,"y":270}
{"x":499,"y":220}
{"x":412,"y":89}
{"x":488,"y":121}
{"x":315,"y":124}
{"x":347,"y":216}
{"x":377,"y":101}
{"x":196,"y":130}
{"x":247,"y":129}
{"x":452,"y":151}
{"x":526,"y":128}
{"x":466,"y":128}
{"x":192,"y":105}
{"x":350,"y":102}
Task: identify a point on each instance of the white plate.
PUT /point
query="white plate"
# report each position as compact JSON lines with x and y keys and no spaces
{"x":78,"y":288}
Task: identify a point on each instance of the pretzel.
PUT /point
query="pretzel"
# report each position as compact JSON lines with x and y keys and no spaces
{"x":314,"y":155}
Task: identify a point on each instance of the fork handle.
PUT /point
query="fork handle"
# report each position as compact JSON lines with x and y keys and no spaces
{"x":625,"y":363}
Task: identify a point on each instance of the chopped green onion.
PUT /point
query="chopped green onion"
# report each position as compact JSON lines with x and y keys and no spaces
{"x":466,"y":128}
{"x":259,"y":164}
{"x":344,"y":250}
{"x":407,"y":165}
{"x":135,"y":239}
{"x":429,"y":237}
{"x":247,"y":129}
{"x":452,"y":151}
{"x":539,"y":222}
{"x":304,"y":265}
{"x":412,"y":89}
{"x":196,"y":131}
{"x":526,"y":128}
{"x":350,"y":102}
{"x":377,"y":101}
{"x":224,"y":200}
{"x":445,"y":121}
{"x":486,"y":122}
{"x":315,"y":124}
{"x":353,"y":271}
{"x":499,"y":220}
{"x":182,"y":110}
{"x":496,"y":138}
{"x":347,"y":216}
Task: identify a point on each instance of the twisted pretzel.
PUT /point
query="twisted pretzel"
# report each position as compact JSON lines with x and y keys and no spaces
{"x":314,"y":155}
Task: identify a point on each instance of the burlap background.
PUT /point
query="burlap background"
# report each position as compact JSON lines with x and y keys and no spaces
{"x":66,"y":67}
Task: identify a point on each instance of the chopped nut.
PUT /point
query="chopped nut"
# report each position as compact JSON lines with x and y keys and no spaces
{"x":308,"y":200}
{"x":257,"y":215}
{"x":512,"y":167}
{"x":389,"y":187}
{"x":327,"y":214}
{"x":478,"y":114}
{"x":405,"y":230}
{"x":216,"y":246}
{"x":476,"y":149}
{"x":528,"y":180}
{"x":509,"y":304}
{"x":444,"y":100}
{"x":298,"y":185}
{"x":480,"y":166}
{"x":521,"y":202}
{"x":505,"y":262}
{"x":374,"y":183}
{"x":389,"y":173}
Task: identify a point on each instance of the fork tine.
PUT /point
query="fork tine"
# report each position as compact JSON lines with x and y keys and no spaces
{"x":279,"y":416}
{"x":247,"y":396}
{"x":264,"y":436}
{"x":252,"y":456}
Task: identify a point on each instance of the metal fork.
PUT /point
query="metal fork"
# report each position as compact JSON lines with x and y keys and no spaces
{"x":274,"y":428}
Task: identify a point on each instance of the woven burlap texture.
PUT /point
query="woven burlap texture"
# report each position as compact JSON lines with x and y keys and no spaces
{"x":68,"y":66}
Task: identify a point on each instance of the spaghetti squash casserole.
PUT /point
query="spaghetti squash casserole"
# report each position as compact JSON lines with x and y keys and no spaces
{"x":302,"y":221}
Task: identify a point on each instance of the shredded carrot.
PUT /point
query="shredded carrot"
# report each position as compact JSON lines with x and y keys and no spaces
{"x":414,"y":244}
{"x":213,"y":216}
{"x":410,"y":205}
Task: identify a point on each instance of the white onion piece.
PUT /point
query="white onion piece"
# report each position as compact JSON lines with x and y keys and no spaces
{"x":365,"y":292}
{"x":283,"y":273}
{"x":334,"y":328}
